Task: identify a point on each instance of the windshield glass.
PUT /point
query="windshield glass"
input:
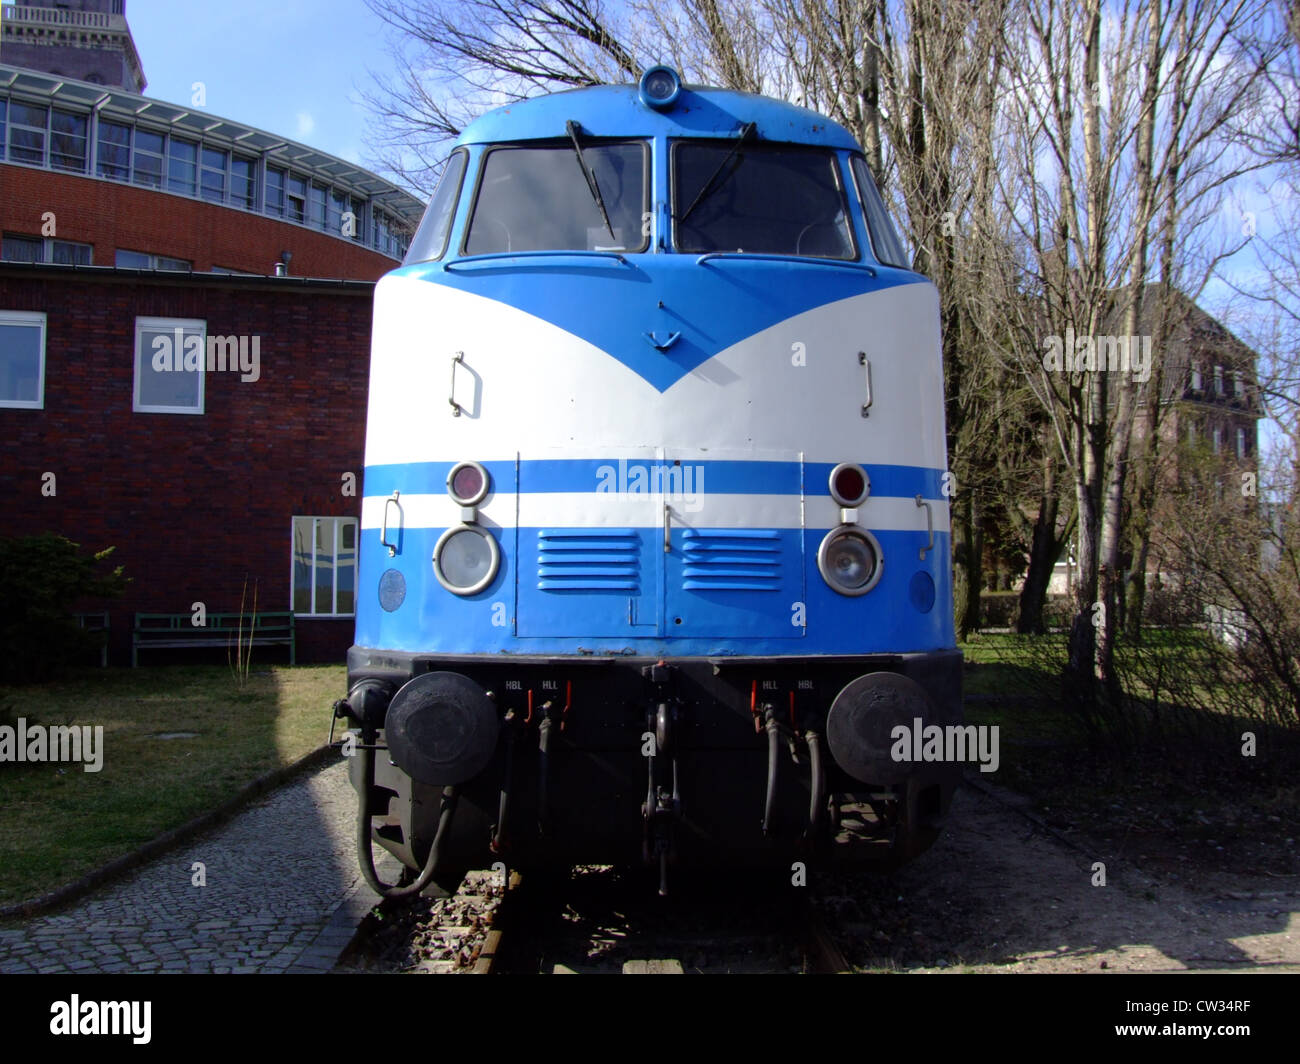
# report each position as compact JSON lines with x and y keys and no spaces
{"x":776,"y":200}
{"x":884,"y":237}
{"x":431,"y":238}
{"x":538,"y":199}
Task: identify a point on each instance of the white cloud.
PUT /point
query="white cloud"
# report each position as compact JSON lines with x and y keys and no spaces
{"x":306,"y":124}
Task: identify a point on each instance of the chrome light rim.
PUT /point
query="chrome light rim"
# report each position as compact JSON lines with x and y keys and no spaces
{"x":850,"y":531}
{"x":493,"y":566}
{"x":866,"y":485}
{"x":485,"y":483}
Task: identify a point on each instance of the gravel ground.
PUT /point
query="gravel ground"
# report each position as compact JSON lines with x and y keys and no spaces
{"x":998,"y":893}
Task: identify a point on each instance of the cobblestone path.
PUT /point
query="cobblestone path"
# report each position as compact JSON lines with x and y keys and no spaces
{"x":282,"y":893}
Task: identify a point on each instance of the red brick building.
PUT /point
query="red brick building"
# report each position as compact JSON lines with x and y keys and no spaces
{"x":184,"y":334}
{"x":254,"y":484}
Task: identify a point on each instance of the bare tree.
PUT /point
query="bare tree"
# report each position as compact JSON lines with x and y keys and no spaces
{"x":457,"y":60}
{"x":1121,"y":125}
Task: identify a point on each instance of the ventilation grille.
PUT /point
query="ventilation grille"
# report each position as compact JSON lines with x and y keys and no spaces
{"x":733,"y":560}
{"x":594,"y":559}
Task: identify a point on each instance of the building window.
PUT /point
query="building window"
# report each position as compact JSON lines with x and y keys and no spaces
{"x":68,"y":141}
{"x":242,"y":181}
{"x":1216,"y":439}
{"x":27,"y":126}
{"x":140,"y":260}
{"x":1218,"y":380}
{"x":213,"y":179}
{"x":4,"y":110}
{"x":148,"y":158}
{"x":69,"y":253}
{"x":18,"y":248}
{"x":339,"y":206}
{"x":1197,"y":382}
{"x":1241,"y":442}
{"x":316,"y":212}
{"x":1238,"y":384}
{"x":275,"y":191}
{"x":22,"y":359}
{"x":182,"y":166}
{"x":170,"y":356}
{"x":324,"y":572}
{"x":296,"y":195}
{"x":113,"y":153}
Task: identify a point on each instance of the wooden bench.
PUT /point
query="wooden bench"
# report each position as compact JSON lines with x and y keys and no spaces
{"x":164,"y":630}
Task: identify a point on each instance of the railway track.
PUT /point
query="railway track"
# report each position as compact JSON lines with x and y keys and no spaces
{"x":601,"y":920}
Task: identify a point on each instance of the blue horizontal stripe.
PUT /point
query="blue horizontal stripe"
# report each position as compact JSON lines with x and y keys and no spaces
{"x":721,"y":616}
{"x":578,"y":475}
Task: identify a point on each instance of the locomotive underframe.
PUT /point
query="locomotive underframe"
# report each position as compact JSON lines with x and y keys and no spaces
{"x":627,"y":759}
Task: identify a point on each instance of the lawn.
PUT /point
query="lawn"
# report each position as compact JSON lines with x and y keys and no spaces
{"x":61,"y":822}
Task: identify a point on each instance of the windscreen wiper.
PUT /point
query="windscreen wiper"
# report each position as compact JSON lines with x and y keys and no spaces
{"x":573,"y":130}
{"x":713,"y":184}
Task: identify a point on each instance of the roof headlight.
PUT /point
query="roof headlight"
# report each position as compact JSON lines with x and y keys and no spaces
{"x":660,"y":86}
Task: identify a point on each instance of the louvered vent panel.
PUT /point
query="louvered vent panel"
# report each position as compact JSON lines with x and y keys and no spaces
{"x":595,"y":559}
{"x":732,"y":560}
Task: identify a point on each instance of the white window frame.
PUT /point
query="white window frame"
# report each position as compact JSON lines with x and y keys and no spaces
{"x":27,"y":317}
{"x":1196,"y":377}
{"x":1218,"y":380}
{"x":1241,"y":442}
{"x":166,"y":324}
{"x":338,"y":522}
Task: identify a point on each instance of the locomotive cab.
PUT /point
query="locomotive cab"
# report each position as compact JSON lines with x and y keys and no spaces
{"x":653,"y":561}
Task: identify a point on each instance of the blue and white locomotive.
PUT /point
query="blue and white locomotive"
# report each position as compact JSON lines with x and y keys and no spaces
{"x":654,"y":552}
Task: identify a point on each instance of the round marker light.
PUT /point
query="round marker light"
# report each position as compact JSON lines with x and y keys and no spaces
{"x":850,"y":560}
{"x":467,"y":483}
{"x":850,"y":484}
{"x":660,"y":86}
{"x":466,"y":559}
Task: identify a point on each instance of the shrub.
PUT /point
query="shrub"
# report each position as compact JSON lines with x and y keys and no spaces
{"x":42,"y":579}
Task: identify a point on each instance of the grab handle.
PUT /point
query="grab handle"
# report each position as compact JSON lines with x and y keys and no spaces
{"x":456,"y":360}
{"x":929,"y":526}
{"x":866,"y":400}
{"x":383,"y":531}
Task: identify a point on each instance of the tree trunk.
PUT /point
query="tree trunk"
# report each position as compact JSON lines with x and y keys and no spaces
{"x":965,"y":574}
{"x":1044,"y":549}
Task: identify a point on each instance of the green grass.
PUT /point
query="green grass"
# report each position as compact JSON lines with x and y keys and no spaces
{"x":61,"y":822}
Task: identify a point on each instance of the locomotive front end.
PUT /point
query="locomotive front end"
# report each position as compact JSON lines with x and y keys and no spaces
{"x":654,"y":551}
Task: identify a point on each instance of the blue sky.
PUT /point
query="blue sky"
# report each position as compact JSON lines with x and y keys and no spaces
{"x":292,"y":67}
